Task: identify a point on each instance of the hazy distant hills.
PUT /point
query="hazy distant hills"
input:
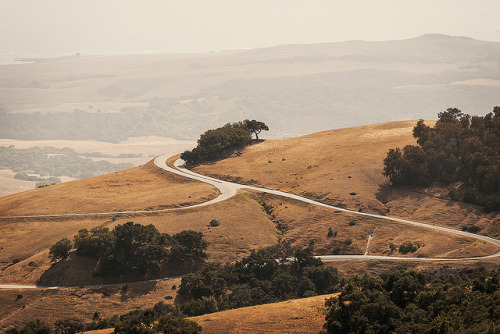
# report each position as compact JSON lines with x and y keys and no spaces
{"x":295,"y":89}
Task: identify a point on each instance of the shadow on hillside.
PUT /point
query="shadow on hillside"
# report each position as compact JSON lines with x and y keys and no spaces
{"x":387,"y":193}
{"x":79,"y":271}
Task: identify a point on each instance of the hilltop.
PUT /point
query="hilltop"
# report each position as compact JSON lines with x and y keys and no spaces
{"x":344,"y":167}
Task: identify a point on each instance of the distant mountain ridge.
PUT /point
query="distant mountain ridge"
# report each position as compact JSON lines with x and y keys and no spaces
{"x":296,"y":89}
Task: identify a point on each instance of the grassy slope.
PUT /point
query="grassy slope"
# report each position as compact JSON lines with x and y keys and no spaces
{"x":332,"y":157}
{"x":332,"y":165}
{"x":305,"y":315}
{"x":140,"y":188}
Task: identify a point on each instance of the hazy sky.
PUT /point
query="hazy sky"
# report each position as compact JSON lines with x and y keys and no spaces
{"x":133,"y":26}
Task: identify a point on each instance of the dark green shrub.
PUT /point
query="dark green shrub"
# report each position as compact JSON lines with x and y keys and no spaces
{"x":471,"y":228}
{"x":60,"y":250}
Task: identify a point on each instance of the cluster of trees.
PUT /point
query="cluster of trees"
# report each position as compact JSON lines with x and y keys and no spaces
{"x":161,"y":318}
{"x":397,"y":301}
{"x":51,"y":161}
{"x":216,"y":143}
{"x":135,"y":249}
{"x":265,"y":276}
{"x":459,"y":148}
{"x":410,"y":302}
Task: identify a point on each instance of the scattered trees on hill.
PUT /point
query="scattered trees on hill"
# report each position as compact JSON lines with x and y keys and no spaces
{"x":397,"y":301}
{"x":161,"y":318}
{"x":256,"y":279}
{"x":459,"y":148}
{"x":216,"y":143}
{"x":136,"y":249}
{"x":411,"y":302}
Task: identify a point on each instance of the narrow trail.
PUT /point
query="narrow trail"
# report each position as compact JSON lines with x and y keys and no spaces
{"x":229,"y":189}
{"x":370,"y":237}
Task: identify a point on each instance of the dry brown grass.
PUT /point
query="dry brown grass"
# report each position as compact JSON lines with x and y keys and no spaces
{"x":305,"y":315}
{"x":52,"y":305}
{"x":330,"y":158}
{"x":146,"y":147}
{"x":141,"y":188}
{"x":243,"y":226}
{"x":308,"y":222}
{"x":344,"y":167}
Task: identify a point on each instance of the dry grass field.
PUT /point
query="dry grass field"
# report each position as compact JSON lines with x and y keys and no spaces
{"x":51,"y":305}
{"x":329,"y":166}
{"x":305,"y":315}
{"x":141,"y":188}
{"x":344,"y":167}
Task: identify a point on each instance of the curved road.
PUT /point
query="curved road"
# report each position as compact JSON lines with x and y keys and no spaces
{"x":229,"y":189}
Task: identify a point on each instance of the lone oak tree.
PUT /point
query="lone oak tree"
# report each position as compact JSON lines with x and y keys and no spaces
{"x":255,"y":126}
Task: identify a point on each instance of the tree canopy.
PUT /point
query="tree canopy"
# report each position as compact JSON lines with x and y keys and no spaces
{"x":459,"y":149}
{"x":136,"y":249}
{"x":255,"y":127}
{"x":61,"y":249}
{"x":217,"y":143}
{"x":256,"y":279}
{"x":402,"y":301}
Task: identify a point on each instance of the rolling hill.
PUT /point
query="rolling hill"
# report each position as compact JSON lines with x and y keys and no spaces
{"x":338,"y":84}
{"x":341,"y":167}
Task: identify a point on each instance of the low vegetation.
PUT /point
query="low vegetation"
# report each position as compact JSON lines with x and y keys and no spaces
{"x":217,"y":143}
{"x":135,"y":249}
{"x":51,"y":161}
{"x":161,"y":318}
{"x":459,"y":150}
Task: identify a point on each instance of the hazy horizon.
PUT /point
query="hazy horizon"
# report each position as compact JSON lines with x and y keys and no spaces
{"x":58,"y":27}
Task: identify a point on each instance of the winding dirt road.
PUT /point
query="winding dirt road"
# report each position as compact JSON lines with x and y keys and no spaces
{"x":229,"y":189}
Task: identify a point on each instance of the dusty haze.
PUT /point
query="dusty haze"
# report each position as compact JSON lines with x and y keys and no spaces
{"x":118,"y":71}
{"x":133,"y":26}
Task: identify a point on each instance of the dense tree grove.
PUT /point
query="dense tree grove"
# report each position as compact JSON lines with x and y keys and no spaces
{"x":458,"y":149}
{"x":138,"y":249}
{"x":257,"y":279}
{"x":411,"y":302}
{"x":216,"y":143}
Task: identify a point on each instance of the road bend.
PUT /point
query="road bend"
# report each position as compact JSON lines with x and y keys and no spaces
{"x":229,"y":189}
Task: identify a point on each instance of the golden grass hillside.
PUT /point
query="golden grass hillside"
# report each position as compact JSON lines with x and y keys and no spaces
{"x":344,"y":167}
{"x":305,"y":315}
{"x":141,"y":188}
